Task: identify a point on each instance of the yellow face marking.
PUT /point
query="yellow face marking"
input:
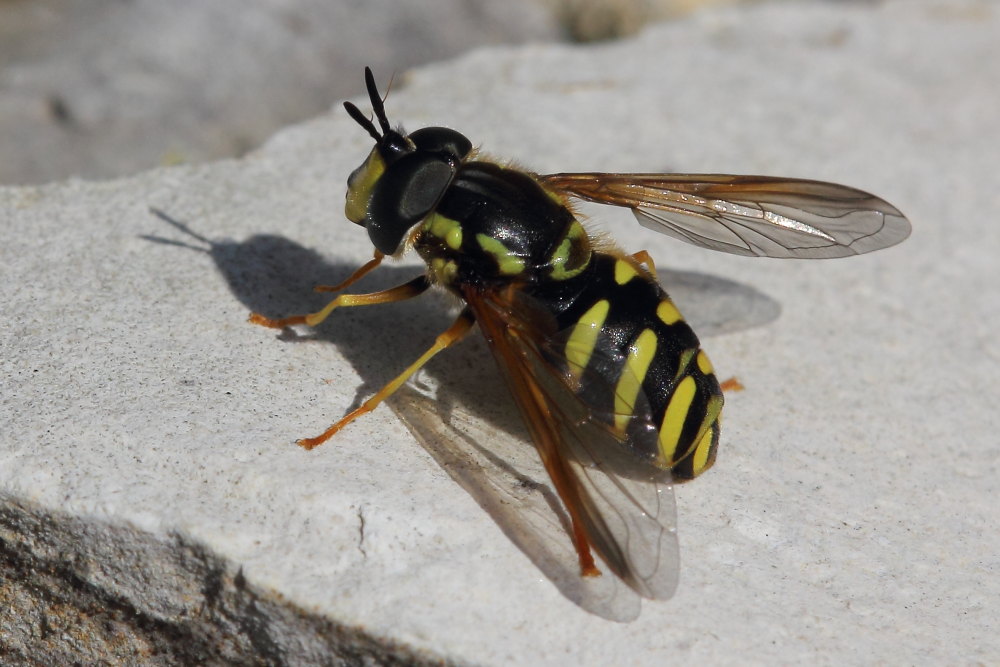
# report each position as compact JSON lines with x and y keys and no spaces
{"x":360,"y":186}
{"x":667,"y":312}
{"x":508,"y":263}
{"x":704,"y":365}
{"x":674,"y":418}
{"x":583,"y":339}
{"x":624,"y":272}
{"x":640,"y":356}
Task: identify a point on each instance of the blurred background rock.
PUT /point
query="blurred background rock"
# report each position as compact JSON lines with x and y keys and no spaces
{"x":103,"y":88}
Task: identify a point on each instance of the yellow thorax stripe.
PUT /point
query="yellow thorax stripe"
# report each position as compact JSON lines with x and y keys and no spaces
{"x":574,"y":238}
{"x":446,"y":229}
{"x":508,"y":263}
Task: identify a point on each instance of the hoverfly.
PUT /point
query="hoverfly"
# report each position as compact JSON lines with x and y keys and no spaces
{"x":611,"y":382}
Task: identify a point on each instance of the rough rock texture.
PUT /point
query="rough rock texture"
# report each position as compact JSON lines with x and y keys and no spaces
{"x":154,"y":505}
{"x":101,"y":88}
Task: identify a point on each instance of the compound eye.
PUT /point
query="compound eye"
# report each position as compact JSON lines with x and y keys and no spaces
{"x":404,"y":195}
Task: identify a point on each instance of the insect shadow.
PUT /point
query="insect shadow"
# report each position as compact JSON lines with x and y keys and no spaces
{"x":275,"y":276}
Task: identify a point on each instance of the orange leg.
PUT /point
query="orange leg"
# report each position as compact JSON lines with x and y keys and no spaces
{"x":569,"y":493}
{"x":643,"y":258}
{"x":539,"y":420}
{"x":355,"y":277}
{"x":732,"y":384}
{"x":587,"y":566}
{"x":452,"y":335}
{"x":408,"y":290}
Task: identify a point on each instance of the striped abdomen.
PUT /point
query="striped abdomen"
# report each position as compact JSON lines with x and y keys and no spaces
{"x":637,"y":362}
{"x":630,"y":356}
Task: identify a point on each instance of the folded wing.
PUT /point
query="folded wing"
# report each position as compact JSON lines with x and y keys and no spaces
{"x":747,"y":215}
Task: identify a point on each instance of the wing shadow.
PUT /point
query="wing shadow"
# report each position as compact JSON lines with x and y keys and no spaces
{"x":470,"y":415}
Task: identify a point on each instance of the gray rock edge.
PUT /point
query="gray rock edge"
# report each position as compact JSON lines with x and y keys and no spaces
{"x":75,"y":590}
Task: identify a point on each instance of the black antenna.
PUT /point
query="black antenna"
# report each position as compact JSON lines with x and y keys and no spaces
{"x":362,"y":120}
{"x":376,"y":99}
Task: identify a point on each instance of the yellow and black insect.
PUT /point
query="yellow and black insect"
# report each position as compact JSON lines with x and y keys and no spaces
{"x":611,"y":382}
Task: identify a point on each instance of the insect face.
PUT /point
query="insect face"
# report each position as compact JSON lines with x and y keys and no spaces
{"x":403,"y":177}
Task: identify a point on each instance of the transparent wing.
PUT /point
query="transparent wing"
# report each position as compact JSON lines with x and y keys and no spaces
{"x":624,"y":505}
{"x":747,"y":215}
{"x":492,"y":459}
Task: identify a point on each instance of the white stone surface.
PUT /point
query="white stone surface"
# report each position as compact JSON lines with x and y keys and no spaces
{"x":102,"y":88}
{"x":851,"y":517}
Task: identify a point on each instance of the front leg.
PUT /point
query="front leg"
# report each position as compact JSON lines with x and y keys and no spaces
{"x":415,"y":287}
{"x":452,"y":335}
